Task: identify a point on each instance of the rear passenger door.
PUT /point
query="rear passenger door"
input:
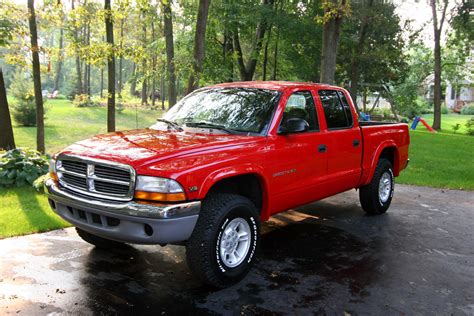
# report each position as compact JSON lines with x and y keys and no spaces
{"x":344,"y":146}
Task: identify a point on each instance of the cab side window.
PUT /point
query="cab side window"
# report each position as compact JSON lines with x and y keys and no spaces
{"x":336,"y":109}
{"x":301,"y":105}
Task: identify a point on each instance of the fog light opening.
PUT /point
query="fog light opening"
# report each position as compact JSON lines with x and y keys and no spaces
{"x":52,"y":204}
{"x":148,"y":230}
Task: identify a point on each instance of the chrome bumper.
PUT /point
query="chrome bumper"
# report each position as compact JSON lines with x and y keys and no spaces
{"x":128,"y":222}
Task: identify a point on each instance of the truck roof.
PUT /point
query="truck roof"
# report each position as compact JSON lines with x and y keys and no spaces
{"x":273,"y":85}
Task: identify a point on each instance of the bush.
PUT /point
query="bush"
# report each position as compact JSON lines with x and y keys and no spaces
{"x":456,"y":127}
{"x":24,"y":107}
{"x":444,"y":109}
{"x":468,"y":110}
{"x":20,"y":167}
{"x":470,"y":126}
{"x":83,"y":100}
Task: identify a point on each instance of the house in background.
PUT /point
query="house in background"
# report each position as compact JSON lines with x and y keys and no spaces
{"x":456,"y":99}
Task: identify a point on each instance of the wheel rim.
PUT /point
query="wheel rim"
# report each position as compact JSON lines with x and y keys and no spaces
{"x":235,"y":242}
{"x":385,"y":187}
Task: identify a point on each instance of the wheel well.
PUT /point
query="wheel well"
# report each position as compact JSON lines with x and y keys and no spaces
{"x":246,"y":185}
{"x":390,"y":153}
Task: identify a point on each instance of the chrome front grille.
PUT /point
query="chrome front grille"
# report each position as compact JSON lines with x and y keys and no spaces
{"x":96,"y":178}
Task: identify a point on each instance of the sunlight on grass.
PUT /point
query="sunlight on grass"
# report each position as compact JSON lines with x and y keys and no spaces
{"x":25,"y":211}
{"x":66,"y":124}
{"x":440,"y":160}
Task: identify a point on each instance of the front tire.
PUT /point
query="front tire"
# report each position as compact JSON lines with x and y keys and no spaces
{"x":375,"y":197}
{"x":222,"y":247}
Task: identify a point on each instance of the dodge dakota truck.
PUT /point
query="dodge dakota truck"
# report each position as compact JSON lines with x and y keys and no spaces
{"x":218,"y":163}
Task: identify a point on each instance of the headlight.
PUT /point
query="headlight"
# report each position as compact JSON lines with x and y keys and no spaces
{"x":158,"y":189}
{"x":52,"y":169}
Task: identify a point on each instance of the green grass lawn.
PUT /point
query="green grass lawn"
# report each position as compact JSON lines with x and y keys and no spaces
{"x":440,"y":160}
{"x":24,"y":211}
{"x":447,"y":122}
{"x":443,"y":160}
{"x":66,"y":124}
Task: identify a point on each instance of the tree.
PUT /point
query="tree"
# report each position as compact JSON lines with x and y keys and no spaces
{"x":354,"y":72}
{"x":247,"y":69}
{"x":437,"y":28}
{"x":36,"y":78}
{"x":7,"y":140}
{"x":199,"y":41}
{"x":168,"y":30}
{"x":109,"y":30}
{"x":334,"y":11}
{"x":371,"y":48}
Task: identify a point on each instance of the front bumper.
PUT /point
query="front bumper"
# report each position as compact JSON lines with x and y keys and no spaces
{"x":128,"y":222}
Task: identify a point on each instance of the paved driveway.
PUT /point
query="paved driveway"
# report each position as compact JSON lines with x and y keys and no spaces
{"x":325,"y":258}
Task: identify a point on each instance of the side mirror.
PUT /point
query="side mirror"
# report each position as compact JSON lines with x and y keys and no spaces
{"x":293,"y":125}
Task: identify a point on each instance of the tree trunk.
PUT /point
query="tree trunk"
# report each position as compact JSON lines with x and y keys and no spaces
{"x":7,"y":141}
{"x":199,"y":41}
{"x":275,"y":56}
{"x":36,"y":78}
{"x":133,"y":84}
{"x":109,"y":31}
{"x":57,"y":76}
{"x":265,"y":54}
{"x":227,"y":52}
{"x":437,"y":83}
{"x":79,"y":89}
{"x":101,"y":82}
{"x":437,"y":62}
{"x":120,"y":83}
{"x":331,"y":31}
{"x":144,"y":68}
{"x":168,"y":30}
{"x":153,"y":61}
{"x":358,"y":51}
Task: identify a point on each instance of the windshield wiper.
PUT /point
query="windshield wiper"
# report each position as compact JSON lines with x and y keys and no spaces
{"x":172,"y":124}
{"x":210,"y":125}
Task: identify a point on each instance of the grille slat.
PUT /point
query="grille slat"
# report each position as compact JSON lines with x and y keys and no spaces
{"x":75,"y":166}
{"x":96,"y":178}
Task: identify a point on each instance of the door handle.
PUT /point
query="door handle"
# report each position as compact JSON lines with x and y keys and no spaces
{"x":355,"y":143}
{"x":322,"y":148}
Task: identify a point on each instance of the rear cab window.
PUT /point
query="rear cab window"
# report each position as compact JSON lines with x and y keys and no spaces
{"x":336,"y":109}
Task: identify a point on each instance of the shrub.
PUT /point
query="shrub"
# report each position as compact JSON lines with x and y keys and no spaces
{"x":20,"y":167}
{"x":468,"y":110}
{"x":470,"y":126}
{"x":83,"y":100}
{"x":456,"y":127}
{"x":119,"y":108}
{"x":444,"y":109}
{"x":24,"y":107}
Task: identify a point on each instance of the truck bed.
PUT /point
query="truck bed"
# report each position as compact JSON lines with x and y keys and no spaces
{"x":377,"y":135}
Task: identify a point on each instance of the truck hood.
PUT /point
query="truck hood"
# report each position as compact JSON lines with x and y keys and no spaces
{"x":146,"y":146}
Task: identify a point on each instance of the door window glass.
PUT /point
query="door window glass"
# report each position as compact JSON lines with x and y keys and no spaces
{"x":301,"y":105}
{"x":334,"y":111}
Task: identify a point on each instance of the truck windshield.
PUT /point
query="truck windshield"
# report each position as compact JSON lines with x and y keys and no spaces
{"x":230,"y":109}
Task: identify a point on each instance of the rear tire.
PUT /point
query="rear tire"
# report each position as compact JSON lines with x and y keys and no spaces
{"x":97,"y":241}
{"x":222,"y":247}
{"x":376,"y":196}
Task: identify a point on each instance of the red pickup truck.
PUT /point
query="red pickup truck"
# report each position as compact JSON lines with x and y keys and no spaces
{"x":221,"y":161}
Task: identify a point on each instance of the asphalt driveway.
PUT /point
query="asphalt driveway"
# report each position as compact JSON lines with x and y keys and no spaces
{"x":324,"y":258}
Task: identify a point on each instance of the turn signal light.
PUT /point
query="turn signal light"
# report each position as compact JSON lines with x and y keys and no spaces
{"x":160,"y":197}
{"x":53,"y":176}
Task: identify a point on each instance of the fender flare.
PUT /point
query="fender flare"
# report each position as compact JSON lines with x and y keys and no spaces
{"x":233,"y":171}
{"x":375,"y":159}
